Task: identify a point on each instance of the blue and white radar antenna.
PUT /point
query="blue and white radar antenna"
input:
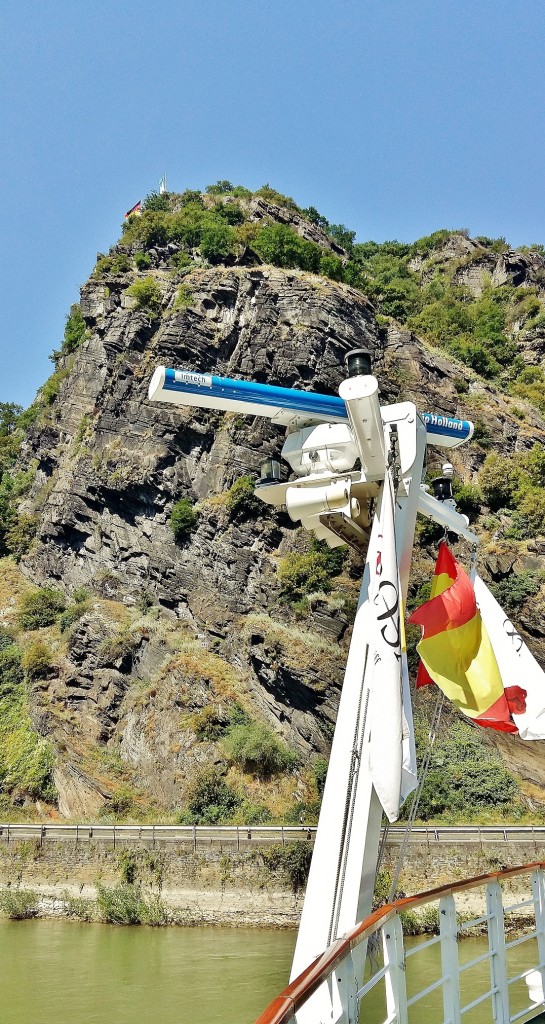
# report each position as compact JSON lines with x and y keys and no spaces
{"x":327,"y":437}
{"x":348,"y":457}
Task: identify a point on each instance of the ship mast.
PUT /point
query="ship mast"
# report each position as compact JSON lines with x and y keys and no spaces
{"x":327,"y":437}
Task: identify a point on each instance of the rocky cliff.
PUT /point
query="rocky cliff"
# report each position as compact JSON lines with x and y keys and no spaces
{"x":170,"y":645}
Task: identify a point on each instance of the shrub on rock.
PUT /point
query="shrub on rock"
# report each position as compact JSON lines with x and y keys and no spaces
{"x":40,"y":608}
{"x":183,"y":519}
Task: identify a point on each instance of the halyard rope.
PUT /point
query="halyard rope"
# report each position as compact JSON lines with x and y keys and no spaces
{"x":349,"y":804}
{"x":418,"y":793}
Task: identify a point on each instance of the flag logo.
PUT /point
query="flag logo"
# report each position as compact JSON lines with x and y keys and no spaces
{"x":517,"y":665}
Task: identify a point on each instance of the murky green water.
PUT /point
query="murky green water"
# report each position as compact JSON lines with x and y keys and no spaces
{"x":58,"y":972}
{"x":424,"y":969}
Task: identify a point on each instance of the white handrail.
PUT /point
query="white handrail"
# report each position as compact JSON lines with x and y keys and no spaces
{"x":399,"y":966}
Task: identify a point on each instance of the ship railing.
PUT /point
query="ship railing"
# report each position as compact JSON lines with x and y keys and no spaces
{"x":375,"y":975}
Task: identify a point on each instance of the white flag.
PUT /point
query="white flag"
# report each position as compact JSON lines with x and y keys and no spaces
{"x":516,"y":663}
{"x":393,"y":766}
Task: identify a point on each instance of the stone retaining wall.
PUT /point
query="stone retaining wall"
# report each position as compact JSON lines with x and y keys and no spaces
{"x":226,"y":888}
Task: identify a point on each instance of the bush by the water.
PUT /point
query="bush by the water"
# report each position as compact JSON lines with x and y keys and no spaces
{"x":78,"y":907}
{"x":126,"y":904}
{"x":422,"y":921}
{"x":293,"y":859}
{"x":19,"y":904}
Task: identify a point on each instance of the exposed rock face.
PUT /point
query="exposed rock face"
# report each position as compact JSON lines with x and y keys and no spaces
{"x":105,"y":518}
{"x":78,"y":796}
{"x":260,"y":209}
{"x":474,"y":266}
{"x":514,"y":268}
{"x":109,"y":467}
{"x":95,"y":679}
{"x":455,"y":247}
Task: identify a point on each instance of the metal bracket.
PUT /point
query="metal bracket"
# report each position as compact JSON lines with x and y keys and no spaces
{"x":347,"y":530}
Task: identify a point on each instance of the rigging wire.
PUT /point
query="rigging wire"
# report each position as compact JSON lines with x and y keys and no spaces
{"x":436,"y":718}
{"x":348,"y":818}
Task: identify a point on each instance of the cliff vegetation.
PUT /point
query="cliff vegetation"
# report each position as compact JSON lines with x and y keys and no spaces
{"x":169,"y":646}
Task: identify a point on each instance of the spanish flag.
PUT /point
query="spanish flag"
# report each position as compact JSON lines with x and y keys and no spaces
{"x":455,"y":649}
{"x":134,"y":210}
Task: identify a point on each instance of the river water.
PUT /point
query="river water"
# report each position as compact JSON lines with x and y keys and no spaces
{"x":63,"y":972}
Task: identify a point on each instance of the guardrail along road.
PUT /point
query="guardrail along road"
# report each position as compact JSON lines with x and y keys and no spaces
{"x":241,"y":836}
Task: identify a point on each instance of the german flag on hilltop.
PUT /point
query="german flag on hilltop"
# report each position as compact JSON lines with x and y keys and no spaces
{"x":456,"y":652}
{"x":134,"y":210}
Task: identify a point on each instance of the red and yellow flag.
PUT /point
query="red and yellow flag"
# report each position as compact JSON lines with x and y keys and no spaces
{"x":134,"y":210}
{"x":456,"y":651}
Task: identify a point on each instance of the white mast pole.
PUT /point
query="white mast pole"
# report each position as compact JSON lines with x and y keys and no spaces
{"x":342,"y":874}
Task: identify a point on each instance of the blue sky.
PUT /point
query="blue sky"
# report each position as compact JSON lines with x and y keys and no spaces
{"x":395,"y":117}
